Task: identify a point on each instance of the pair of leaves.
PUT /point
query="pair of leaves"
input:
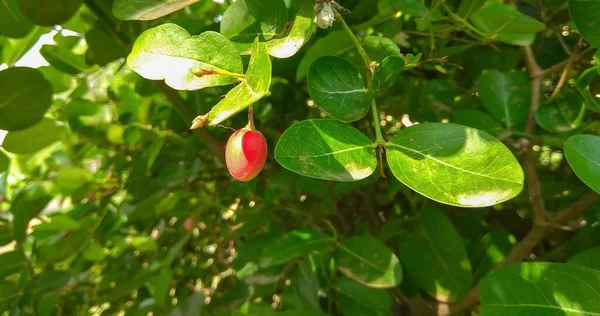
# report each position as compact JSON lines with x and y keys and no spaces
{"x":338,"y":88}
{"x":449,"y":163}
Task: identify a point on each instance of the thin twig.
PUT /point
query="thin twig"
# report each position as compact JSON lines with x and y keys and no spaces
{"x":565,"y":74}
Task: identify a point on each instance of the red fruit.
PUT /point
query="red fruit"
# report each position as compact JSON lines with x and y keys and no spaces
{"x":245,"y":154}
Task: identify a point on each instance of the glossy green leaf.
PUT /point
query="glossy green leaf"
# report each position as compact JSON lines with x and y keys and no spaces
{"x":326,"y":149}
{"x":253,"y":88}
{"x":246,"y":20}
{"x":477,"y":119}
{"x":505,"y":23}
{"x":159,"y":286}
{"x":335,"y":43}
{"x":294,"y":244}
{"x":584,"y":14}
{"x":53,"y":12}
{"x":35,"y":138}
{"x":561,"y":114}
{"x":6,"y":234}
{"x":4,"y":162}
{"x":27,"y":205}
{"x":588,"y":258}
{"x":385,"y":72}
{"x":540,"y":289}
{"x":102,"y":47}
{"x":12,"y":262}
{"x":583,"y":86}
{"x":583,"y":155}
{"x":455,"y":165}
{"x":507,"y":95}
{"x":338,"y":89}
{"x":25,"y":96}
{"x":60,"y":81}
{"x":489,"y":251}
{"x":169,"y":44}
{"x":12,"y":22}
{"x":146,"y":10}
{"x":300,"y":32}
{"x":94,"y":252}
{"x":68,"y":245}
{"x":368,"y":261}
{"x":357,"y":299}
{"x":379,"y":48}
{"x":435,"y":257}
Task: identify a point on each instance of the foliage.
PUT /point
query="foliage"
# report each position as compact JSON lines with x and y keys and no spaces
{"x":419,"y":152}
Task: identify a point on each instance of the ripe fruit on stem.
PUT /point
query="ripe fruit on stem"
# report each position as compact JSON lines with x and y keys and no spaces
{"x":245,"y":153}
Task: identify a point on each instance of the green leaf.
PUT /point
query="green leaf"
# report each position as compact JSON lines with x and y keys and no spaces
{"x":335,"y":43}
{"x":60,"y":81}
{"x":583,"y":86}
{"x":49,"y":12}
{"x":307,"y":284}
{"x":15,"y":49}
{"x":584,"y":14}
{"x":368,"y":261}
{"x":300,"y":32}
{"x":71,"y":178}
{"x":358,"y":300}
{"x":477,"y":119}
{"x":4,"y":162}
{"x":468,"y":7}
{"x":27,"y":205}
{"x":455,"y":164}
{"x":253,"y":88}
{"x":435,"y":257}
{"x":385,"y":72}
{"x":94,"y":252}
{"x":35,"y":138}
{"x":583,"y":155}
{"x":246,"y":20}
{"x":6,"y":234}
{"x":338,"y":89}
{"x":25,"y":96}
{"x":507,"y":95}
{"x":540,"y":289}
{"x":489,"y":251}
{"x":505,"y":23}
{"x":9,"y":294}
{"x":102,"y":47}
{"x":169,"y":44}
{"x":159,"y":286}
{"x":64,"y":59}
{"x":58,"y":223}
{"x":144,"y":244}
{"x":589,"y":258}
{"x":561,"y":114}
{"x":378,"y":48}
{"x":326,"y":149}
{"x":12,"y":262}
{"x":12,"y":22}
{"x":68,"y":245}
{"x":146,"y":10}
{"x":191,"y":306}
{"x":294,"y":244}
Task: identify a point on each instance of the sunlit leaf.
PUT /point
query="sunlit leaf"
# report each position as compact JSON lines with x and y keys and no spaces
{"x":583,"y":155}
{"x":147,"y":9}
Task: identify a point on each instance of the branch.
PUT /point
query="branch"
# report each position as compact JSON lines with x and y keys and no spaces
{"x":565,"y":74}
{"x":215,"y":146}
{"x":526,"y":246}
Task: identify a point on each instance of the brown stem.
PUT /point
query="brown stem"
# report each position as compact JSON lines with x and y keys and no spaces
{"x":534,"y":188}
{"x":212,"y":143}
{"x":565,"y":74}
{"x":536,"y":87}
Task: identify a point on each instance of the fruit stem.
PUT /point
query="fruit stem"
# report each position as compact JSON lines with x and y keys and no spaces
{"x":250,"y":125}
{"x":361,"y":51}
